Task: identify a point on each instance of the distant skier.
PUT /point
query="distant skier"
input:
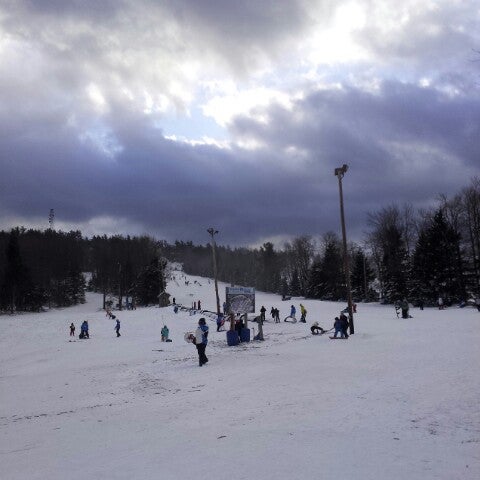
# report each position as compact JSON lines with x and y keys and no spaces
{"x":72,"y":330}
{"x":272,"y":313}
{"x":173,"y":300}
{"x":117,"y":327}
{"x":199,"y":305}
{"x":293,"y":311}
{"x":303,"y":313}
{"x":164,"y":332}
{"x":201,"y":340}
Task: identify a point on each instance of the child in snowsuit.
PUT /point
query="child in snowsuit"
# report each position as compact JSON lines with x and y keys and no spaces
{"x":117,"y":328}
{"x":164,"y":332}
{"x":72,"y":330}
{"x":201,"y":340}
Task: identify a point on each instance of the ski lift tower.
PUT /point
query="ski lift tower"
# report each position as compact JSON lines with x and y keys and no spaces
{"x":51,"y":219}
{"x":213,"y":232}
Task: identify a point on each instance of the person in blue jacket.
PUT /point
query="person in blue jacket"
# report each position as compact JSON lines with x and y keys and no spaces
{"x":201,"y":340}
{"x":293,"y":311}
{"x":84,"y":330}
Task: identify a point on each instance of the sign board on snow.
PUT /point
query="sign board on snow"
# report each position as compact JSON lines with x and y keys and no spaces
{"x":240,"y":299}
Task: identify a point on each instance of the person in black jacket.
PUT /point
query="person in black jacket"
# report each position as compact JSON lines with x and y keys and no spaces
{"x":201,"y":340}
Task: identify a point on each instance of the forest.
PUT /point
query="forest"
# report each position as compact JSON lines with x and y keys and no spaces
{"x":406,"y":253}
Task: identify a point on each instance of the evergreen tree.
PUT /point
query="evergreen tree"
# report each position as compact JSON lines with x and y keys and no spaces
{"x":16,"y":282}
{"x":362,"y":273}
{"x":149,"y":283}
{"x":437,"y":267}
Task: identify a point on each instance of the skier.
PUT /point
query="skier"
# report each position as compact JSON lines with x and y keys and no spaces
{"x":293,"y":311}
{"x":303,"y":312}
{"x":72,"y":330}
{"x":164,"y":332}
{"x":199,"y":305}
{"x":117,"y":328}
{"x":272,"y":313}
{"x":316,"y":329}
{"x":201,"y":340}
{"x":277,"y":315}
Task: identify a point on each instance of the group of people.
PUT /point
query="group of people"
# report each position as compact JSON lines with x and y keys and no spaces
{"x":197,"y":305}
{"x":84,"y":328}
{"x":275,"y":313}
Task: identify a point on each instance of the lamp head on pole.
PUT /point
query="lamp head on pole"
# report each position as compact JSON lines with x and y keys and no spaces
{"x":341,"y":171}
{"x":212,"y":231}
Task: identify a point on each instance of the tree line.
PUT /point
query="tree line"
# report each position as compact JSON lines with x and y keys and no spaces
{"x":406,"y":253}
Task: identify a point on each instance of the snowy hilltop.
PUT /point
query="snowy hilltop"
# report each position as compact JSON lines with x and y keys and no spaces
{"x":397,"y":400}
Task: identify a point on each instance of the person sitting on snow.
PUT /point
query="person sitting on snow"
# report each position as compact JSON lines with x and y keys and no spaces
{"x":316,"y":329}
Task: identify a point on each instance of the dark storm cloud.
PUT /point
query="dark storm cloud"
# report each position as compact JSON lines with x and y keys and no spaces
{"x":177,"y":190}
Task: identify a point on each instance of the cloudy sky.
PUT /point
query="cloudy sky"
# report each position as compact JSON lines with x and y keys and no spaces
{"x":168,"y":117}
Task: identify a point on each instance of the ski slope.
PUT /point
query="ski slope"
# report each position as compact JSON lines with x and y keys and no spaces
{"x":398,"y":400}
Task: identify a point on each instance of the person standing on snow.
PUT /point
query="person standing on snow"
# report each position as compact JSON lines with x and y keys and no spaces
{"x":293,"y":311}
{"x":201,"y":340}
{"x":117,"y":328}
{"x":440,"y":303}
{"x":405,"y":307}
{"x":164,"y":332}
{"x":303,"y":312}
{"x":72,"y":330}
{"x":262,"y":314}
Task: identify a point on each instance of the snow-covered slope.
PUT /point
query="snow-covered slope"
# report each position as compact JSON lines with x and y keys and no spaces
{"x":398,"y":400}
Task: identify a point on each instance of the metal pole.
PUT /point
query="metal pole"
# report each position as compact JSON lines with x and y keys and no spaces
{"x":365,"y":275}
{"x":212,"y":232}
{"x":340,"y":172}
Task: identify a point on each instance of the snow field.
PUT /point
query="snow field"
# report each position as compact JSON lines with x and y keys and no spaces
{"x":398,"y":400}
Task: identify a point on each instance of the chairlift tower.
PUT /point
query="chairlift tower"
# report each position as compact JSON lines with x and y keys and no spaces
{"x":51,"y":219}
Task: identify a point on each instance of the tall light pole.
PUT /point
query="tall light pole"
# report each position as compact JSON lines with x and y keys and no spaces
{"x":340,"y":172}
{"x":213,"y":232}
